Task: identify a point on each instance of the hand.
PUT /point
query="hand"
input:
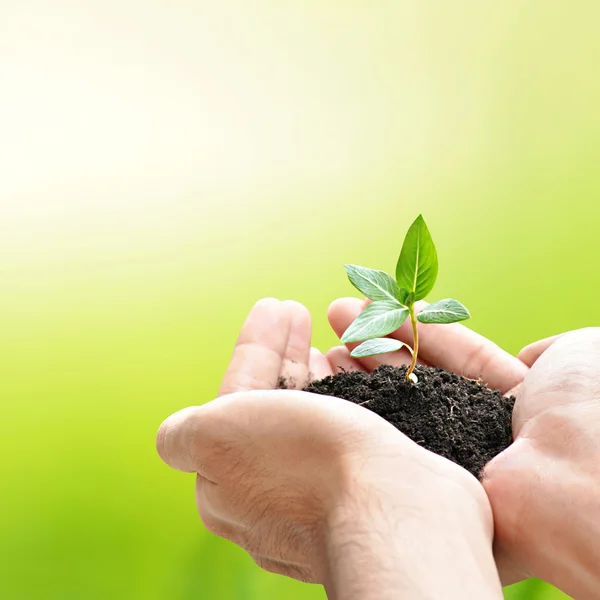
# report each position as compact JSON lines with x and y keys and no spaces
{"x":545,"y":488}
{"x":452,"y":347}
{"x":321,"y":489}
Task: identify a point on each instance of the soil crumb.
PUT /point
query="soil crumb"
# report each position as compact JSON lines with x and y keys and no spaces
{"x":460,"y":419}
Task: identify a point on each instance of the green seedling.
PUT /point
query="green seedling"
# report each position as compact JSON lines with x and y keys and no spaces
{"x":394,"y":299}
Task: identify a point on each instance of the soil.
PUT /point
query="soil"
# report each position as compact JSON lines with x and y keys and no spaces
{"x":458,"y":418}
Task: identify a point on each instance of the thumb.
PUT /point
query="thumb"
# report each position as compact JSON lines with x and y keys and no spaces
{"x":175,"y":440}
{"x":531,"y":353}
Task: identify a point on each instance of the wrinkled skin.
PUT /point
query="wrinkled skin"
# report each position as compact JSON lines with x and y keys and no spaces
{"x":281,"y":473}
{"x":310,"y":486}
{"x":545,"y":488}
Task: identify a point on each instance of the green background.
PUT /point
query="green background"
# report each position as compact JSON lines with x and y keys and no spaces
{"x":165,"y":164}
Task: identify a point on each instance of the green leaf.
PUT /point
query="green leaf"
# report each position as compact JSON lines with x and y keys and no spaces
{"x":377,"y":320}
{"x":404,"y":296}
{"x":378,"y":346}
{"x":375,"y":285}
{"x":444,"y":311}
{"x":417,"y":266}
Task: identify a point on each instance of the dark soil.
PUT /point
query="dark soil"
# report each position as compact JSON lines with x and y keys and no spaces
{"x":458,"y":418}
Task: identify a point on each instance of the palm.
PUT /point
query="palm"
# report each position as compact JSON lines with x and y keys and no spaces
{"x":557,"y":441}
{"x":564,"y":373}
{"x":275,"y":467}
{"x":455,"y":348}
{"x":275,"y":344}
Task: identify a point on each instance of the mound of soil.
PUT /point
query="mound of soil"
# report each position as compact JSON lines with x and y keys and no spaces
{"x":458,"y":418}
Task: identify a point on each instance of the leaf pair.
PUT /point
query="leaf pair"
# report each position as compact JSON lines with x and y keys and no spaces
{"x":393,"y":299}
{"x":377,"y":321}
{"x":416,"y":270}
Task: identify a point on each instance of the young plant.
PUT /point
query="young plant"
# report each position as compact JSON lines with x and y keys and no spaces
{"x":394,"y":299}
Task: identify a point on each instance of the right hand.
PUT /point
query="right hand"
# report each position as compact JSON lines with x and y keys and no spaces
{"x":545,"y":488}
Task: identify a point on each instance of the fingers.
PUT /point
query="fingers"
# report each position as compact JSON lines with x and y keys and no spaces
{"x":274,"y":342}
{"x":201,"y":439}
{"x":210,"y":439}
{"x":175,"y":441}
{"x":260,"y":348}
{"x":458,"y":349}
{"x":319,"y":366}
{"x":295,"y":366}
{"x":339,"y":359}
{"x":531,"y":353}
{"x":453,"y":347}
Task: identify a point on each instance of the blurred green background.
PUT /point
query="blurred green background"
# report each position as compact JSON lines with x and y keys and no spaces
{"x":165,"y":164}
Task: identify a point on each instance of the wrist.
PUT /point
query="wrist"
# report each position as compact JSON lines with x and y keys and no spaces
{"x":424,"y":530}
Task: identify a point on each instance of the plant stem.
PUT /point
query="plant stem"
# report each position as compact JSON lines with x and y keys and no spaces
{"x":413,"y":322}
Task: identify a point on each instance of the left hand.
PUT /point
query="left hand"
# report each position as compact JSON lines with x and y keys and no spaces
{"x":300,"y":480}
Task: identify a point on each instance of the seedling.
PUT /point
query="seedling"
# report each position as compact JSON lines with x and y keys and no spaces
{"x":394,"y":299}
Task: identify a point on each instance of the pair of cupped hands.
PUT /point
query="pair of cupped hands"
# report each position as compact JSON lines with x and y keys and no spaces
{"x":325,"y":491}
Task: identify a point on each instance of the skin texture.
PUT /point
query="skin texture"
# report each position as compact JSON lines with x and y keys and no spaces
{"x":452,"y":347}
{"x":545,"y":488}
{"x":322,"y":490}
